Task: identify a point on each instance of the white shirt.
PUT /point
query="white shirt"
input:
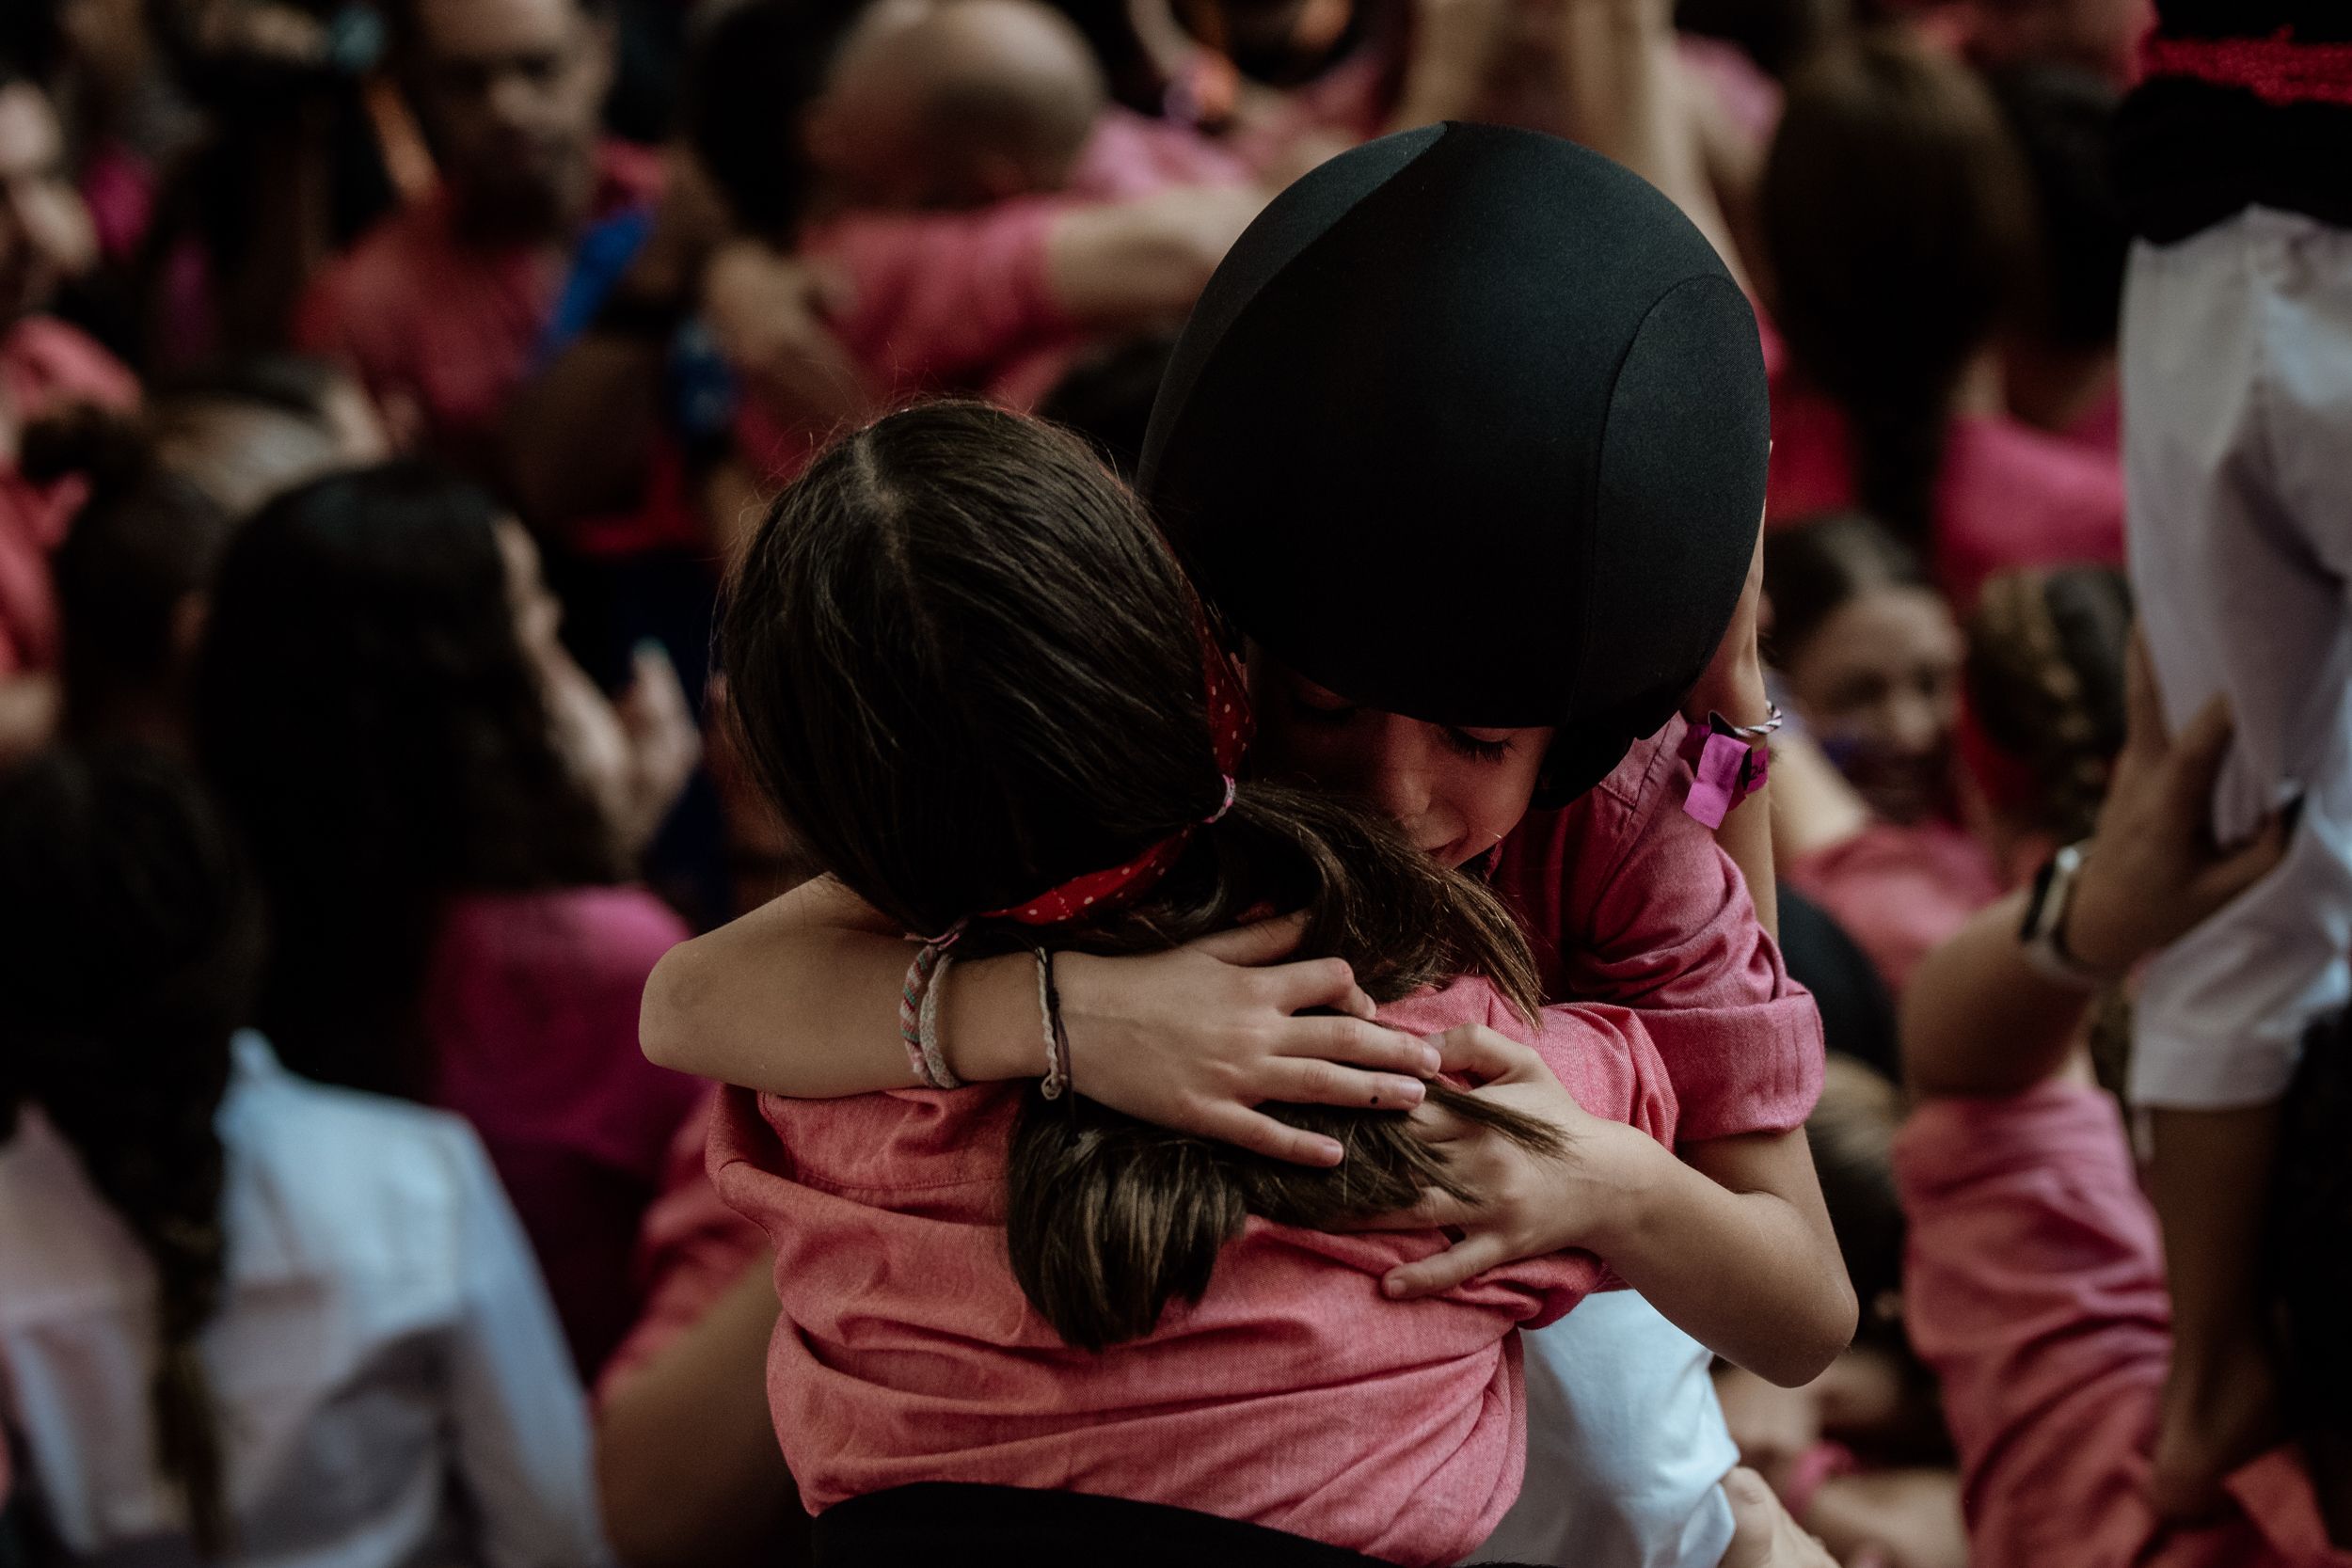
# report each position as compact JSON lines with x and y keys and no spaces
{"x":392,"y":1385}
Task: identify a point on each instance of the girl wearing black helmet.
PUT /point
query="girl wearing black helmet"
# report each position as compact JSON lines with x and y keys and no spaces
{"x":1601,"y":566}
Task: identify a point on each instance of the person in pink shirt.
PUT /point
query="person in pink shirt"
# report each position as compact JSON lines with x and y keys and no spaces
{"x":1894,"y":212}
{"x":444,"y":812}
{"x":2035,"y":1284}
{"x":45,"y":366}
{"x":985,"y":213}
{"x":440,"y":307}
{"x":1629,"y":898}
{"x":935,"y":1369}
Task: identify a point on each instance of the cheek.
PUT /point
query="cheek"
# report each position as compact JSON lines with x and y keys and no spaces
{"x":1488,"y":798}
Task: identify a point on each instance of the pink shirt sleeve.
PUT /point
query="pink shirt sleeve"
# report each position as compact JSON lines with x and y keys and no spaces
{"x":945,"y":299}
{"x":691,"y":1251}
{"x":2033,"y":1285}
{"x":1634,"y":903}
{"x":1899,"y":892}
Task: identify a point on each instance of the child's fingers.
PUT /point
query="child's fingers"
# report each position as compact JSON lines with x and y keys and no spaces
{"x":1295,"y":988}
{"x":1264,"y":942}
{"x":1362,"y":1044}
{"x":2248,"y":863}
{"x":1307,"y":1081}
{"x":1470,"y":1257}
{"x":1260,"y":1134}
{"x":1481,"y":1052}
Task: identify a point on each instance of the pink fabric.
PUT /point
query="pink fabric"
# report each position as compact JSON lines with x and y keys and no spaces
{"x":1900,"y":892}
{"x":1750,"y":99}
{"x":908,"y":1354}
{"x":2034,"y":1288}
{"x":938,"y":302}
{"x":691,"y":1251}
{"x":1630,"y":902}
{"x":441,"y":329}
{"x":961,"y":301}
{"x":1132,"y":155}
{"x":2009,"y":495}
{"x":2100,"y":427}
{"x":531,"y":1001}
{"x":118,"y":187}
{"x":45,"y":366}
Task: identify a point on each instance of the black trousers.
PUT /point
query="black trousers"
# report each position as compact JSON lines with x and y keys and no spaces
{"x":939,"y":1523}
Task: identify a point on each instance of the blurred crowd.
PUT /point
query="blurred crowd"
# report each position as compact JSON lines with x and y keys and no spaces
{"x":387,"y":389}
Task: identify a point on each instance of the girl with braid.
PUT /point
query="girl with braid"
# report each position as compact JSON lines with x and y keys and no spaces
{"x":243,"y":1317}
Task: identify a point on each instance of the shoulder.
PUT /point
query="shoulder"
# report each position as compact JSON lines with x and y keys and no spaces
{"x":609,"y":931}
{"x":319,"y":1139}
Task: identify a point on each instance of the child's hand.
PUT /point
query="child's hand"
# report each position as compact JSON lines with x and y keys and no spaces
{"x":1196,"y":1038}
{"x":2154,"y":871}
{"x":1529,"y":1204}
{"x":1763,"y":1535}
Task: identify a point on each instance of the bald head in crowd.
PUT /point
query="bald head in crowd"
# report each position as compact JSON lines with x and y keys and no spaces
{"x":956,"y":102}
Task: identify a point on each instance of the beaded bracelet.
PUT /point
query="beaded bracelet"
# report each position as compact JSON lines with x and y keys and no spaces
{"x":1056,"y":1037}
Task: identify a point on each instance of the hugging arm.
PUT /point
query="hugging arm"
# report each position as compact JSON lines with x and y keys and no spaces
{"x":799,"y":998}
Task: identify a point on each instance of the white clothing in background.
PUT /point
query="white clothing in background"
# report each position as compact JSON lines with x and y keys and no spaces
{"x":391,"y":1384}
{"x":2237,"y":432}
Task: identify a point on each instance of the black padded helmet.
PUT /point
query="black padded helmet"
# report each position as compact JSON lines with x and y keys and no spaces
{"x":1471,"y":426}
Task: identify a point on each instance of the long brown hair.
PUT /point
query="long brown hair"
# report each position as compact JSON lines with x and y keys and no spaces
{"x":134,"y":939}
{"x":1896,"y":225}
{"x":967,"y":669}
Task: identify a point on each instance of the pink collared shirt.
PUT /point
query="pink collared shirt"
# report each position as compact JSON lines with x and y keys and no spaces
{"x":1294,"y":1395}
{"x":1629,"y":901}
{"x":2033,"y":1285}
{"x":441,"y":328}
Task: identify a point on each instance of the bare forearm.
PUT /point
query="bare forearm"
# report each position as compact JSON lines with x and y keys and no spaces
{"x":1752,"y":1272}
{"x":1626,"y":97}
{"x":686,"y":1461}
{"x":1137,"y":261}
{"x":1730,"y":1270}
{"x":1977,"y":1018}
{"x":799,"y":998}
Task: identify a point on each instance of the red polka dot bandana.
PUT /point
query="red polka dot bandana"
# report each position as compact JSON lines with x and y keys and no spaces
{"x":1099,"y":891}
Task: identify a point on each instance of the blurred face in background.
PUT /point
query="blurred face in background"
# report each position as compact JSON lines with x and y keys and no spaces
{"x":1878,"y":683}
{"x":509,"y":92}
{"x":46,"y":233}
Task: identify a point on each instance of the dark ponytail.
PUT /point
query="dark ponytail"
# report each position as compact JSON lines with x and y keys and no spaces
{"x":966,"y":669}
{"x":135,"y":945}
{"x":1893,"y":180}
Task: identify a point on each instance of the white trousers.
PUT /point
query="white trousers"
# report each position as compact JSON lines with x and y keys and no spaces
{"x":1626,"y":1445}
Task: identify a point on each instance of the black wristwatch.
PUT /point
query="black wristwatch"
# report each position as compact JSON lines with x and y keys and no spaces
{"x":2043,"y":937}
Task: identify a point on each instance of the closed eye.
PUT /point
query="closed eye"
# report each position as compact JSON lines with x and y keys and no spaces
{"x":1477,"y":747}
